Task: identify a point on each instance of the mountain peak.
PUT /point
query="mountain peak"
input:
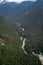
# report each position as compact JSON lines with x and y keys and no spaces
{"x":39,"y":0}
{"x":3,"y":1}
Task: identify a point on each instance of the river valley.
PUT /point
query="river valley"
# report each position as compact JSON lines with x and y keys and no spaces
{"x":23,"y":39}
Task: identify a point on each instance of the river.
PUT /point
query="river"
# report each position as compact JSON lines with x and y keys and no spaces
{"x":40,"y":56}
{"x":23,"y":45}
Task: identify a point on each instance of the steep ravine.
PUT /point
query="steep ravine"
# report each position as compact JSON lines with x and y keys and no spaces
{"x":23,"y":39}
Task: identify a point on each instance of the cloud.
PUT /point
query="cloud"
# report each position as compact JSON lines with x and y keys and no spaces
{"x":1,"y":1}
{"x":15,"y":0}
{"x":19,"y":0}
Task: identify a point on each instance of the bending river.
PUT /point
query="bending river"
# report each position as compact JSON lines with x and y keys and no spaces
{"x":23,"y":45}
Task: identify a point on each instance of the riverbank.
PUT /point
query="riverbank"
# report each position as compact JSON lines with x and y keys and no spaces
{"x":23,"y":39}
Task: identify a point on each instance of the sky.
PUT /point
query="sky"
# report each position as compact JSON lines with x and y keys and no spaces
{"x":16,"y":0}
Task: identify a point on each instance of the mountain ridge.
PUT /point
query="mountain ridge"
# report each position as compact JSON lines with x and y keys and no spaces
{"x":14,"y":10}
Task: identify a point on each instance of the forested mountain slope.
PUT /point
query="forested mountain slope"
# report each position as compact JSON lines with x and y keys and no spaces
{"x":11,"y":52}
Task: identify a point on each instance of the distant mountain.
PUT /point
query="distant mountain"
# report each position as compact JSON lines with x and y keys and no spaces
{"x":3,"y":1}
{"x":16,"y":11}
{"x":26,"y":3}
{"x":7,"y":9}
{"x":12,"y":10}
{"x":28,"y":9}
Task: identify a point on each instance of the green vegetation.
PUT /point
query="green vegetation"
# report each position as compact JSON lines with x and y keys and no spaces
{"x":8,"y":32}
{"x":11,"y":52}
{"x":14,"y":55}
{"x":33,"y":24}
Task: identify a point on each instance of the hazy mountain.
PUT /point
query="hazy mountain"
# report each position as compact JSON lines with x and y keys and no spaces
{"x":3,"y":1}
{"x":7,"y":9}
{"x":15,"y":10}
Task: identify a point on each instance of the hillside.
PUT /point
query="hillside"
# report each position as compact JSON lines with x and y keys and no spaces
{"x":11,"y":52}
{"x":8,"y":32}
{"x":17,"y":11}
{"x":33,"y":24}
{"x":13,"y":10}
